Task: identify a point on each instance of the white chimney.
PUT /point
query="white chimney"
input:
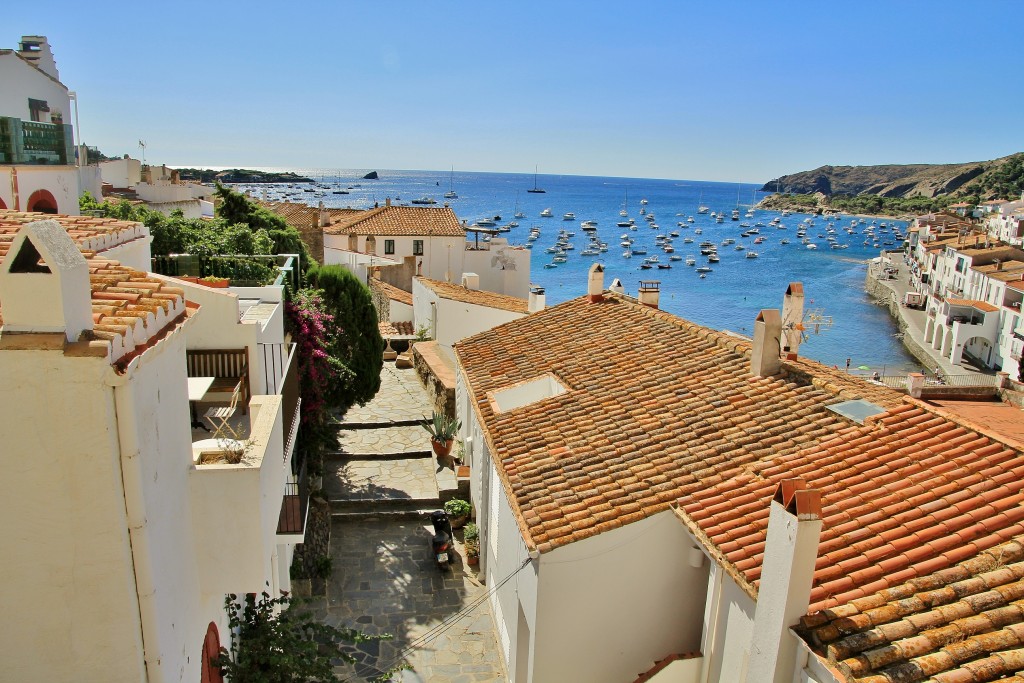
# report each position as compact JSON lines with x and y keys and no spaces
{"x":471,"y":281}
{"x":787,"y":576}
{"x":595,"y":282}
{"x":792,"y":318}
{"x":915,"y":384}
{"x":537,"y":300}
{"x":44,"y":283}
{"x":649,"y":292}
{"x":765,"y":361}
{"x":617,"y":287}
{"x":324,"y":219}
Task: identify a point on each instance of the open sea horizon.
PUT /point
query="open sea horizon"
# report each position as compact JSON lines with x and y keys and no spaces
{"x":728,"y":298}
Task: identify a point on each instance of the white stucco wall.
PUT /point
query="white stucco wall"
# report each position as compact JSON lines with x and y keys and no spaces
{"x":20,"y":81}
{"x":17,"y":183}
{"x":448,"y":321}
{"x":735,"y":628}
{"x":133,"y":253}
{"x":70,"y":609}
{"x":612,"y":605}
{"x":504,"y":269}
{"x":121,"y":173}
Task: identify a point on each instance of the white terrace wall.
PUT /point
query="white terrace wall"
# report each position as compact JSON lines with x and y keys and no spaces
{"x":449,"y":321}
{"x":59,"y":181}
{"x":70,"y":608}
{"x":20,"y":81}
{"x":612,"y":605}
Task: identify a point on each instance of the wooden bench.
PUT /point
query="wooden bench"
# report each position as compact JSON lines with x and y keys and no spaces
{"x":228,"y":367}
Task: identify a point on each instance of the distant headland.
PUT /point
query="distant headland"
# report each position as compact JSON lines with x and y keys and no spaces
{"x":240,"y":175}
{"x":897,"y":189}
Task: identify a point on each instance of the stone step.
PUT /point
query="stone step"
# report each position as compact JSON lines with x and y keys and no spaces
{"x":406,"y":508}
{"x":368,"y":515}
{"x":337,"y":456}
{"x":341,"y":424}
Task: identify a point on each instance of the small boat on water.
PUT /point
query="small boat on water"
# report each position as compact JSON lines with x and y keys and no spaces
{"x":675,"y":257}
{"x":664,"y":266}
{"x":485,"y":222}
{"x":570,"y":216}
{"x":691,"y":261}
{"x":546,"y":213}
{"x":535,"y":190}
{"x":751,"y":254}
{"x":704,"y":269}
{"x":425,"y":200}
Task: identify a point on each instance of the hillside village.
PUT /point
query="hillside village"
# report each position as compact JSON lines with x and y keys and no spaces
{"x":651,"y":500}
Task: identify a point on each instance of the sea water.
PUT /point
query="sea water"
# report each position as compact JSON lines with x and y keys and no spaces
{"x":849,"y":325}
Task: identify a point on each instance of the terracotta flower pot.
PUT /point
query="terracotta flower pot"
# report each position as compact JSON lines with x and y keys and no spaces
{"x":442,"y":449}
{"x":473,"y":560}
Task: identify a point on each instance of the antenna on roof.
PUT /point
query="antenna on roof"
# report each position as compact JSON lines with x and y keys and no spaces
{"x":813,"y":322}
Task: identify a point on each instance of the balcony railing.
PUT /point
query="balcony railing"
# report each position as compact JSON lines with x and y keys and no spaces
{"x":294,"y":505}
{"x":244,"y":270}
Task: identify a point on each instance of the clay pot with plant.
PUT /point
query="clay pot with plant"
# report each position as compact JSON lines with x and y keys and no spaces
{"x":442,"y":430}
{"x":458,"y":512}
{"x":471,"y":539}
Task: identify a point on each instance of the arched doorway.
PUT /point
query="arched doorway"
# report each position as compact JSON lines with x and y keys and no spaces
{"x":211,"y":649}
{"x":41,"y":201}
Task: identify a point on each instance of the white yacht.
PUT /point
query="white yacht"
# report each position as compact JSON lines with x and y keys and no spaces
{"x":546,"y":213}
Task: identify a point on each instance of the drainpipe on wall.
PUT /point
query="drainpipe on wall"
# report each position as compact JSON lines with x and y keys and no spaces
{"x":138,"y":532}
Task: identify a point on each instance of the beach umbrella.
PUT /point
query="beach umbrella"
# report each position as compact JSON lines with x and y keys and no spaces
{"x":863,"y":367}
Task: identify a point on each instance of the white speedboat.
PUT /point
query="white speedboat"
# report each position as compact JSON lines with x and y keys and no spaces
{"x":691,"y":261}
{"x":751,"y":254}
{"x":570,"y":216}
{"x":546,"y":213}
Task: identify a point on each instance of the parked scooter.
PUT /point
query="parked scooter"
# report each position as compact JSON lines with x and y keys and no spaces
{"x":441,"y":543}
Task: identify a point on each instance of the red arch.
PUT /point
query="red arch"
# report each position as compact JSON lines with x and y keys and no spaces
{"x":211,"y":650}
{"x":42,"y":201}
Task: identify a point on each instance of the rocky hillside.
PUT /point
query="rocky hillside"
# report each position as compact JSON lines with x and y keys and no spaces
{"x":999,"y":178}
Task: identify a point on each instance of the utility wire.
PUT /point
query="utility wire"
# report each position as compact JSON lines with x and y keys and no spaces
{"x":450,"y":620}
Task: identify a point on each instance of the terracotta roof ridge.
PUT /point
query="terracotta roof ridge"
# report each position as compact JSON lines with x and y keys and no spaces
{"x":966,"y":423}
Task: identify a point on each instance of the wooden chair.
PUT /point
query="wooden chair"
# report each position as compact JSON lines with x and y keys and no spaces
{"x":220,"y":416}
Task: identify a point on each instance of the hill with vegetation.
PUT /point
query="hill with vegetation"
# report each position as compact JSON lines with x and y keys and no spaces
{"x":240,"y":175}
{"x":897,"y":189}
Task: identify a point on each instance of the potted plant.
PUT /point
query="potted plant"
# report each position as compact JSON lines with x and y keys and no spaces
{"x":214,"y":281}
{"x":458,"y":512}
{"x":442,"y":431}
{"x":471,"y":539}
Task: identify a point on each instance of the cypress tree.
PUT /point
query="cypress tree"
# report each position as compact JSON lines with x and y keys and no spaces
{"x":357,"y":343}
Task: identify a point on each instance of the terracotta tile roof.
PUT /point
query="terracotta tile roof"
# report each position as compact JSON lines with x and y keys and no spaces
{"x":913,"y":490}
{"x":394,"y":293}
{"x":973,"y":303}
{"x":963,"y":623}
{"x":129,"y":307}
{"x":655,"y":407}
{"x":294,"y":213}
{"x":400,"y":220}
{"x":89,"y":233}
{"x":396,"y":329}
{"x":478,"y":297}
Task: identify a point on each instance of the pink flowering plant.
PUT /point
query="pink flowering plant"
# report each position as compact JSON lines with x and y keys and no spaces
{"x":322,"y":376}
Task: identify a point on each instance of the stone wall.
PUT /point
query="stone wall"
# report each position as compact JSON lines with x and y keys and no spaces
{"x":400,"y":276}
{"x":436,"y":376}
{"x":317,"y":545}
{"x":381,"y":301}
{"x":879,"y":292}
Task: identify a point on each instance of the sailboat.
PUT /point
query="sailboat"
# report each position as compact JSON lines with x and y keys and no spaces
{"x":450,"y":194}
{"x":625,"y":202}
{"x":535,"y":189}
{"x":701,"y":208}
{"x":519,"y":213}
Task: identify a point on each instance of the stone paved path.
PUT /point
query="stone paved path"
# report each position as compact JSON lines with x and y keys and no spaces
{"x":370,"y":442}
{"x":385,"y":581}
{"x":380,"y":480}
{"x":401,"y":399}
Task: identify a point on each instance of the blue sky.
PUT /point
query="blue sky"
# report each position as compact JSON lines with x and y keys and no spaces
{"x":732,"y":91}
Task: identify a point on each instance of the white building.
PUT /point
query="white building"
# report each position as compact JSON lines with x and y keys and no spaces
{"x":594,"y":427}
{"x":159,"y":187}
{"x":398,"y":243}
{"x":123,"y":572}
{"x":38,"y":168}
{"x":449,"y":312}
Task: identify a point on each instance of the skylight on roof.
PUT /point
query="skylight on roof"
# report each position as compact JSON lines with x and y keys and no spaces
{"x":526,"y":393}
{"x":858,"y":410}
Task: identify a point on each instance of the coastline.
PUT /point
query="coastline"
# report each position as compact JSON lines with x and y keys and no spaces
{"x":911,"y":322}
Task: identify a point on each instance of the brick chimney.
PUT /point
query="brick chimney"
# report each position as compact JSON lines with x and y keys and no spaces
{"x":787,"y":575}
{"x":595,"y":283}
{"x":650,"y":292}
{"x":765,"y":361}
{"x":387,"y":201}
{"x":792,"y":318}
{"x":537,"y":300}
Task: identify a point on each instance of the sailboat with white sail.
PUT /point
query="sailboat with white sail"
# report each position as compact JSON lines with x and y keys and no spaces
{"x":451,"y":194}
